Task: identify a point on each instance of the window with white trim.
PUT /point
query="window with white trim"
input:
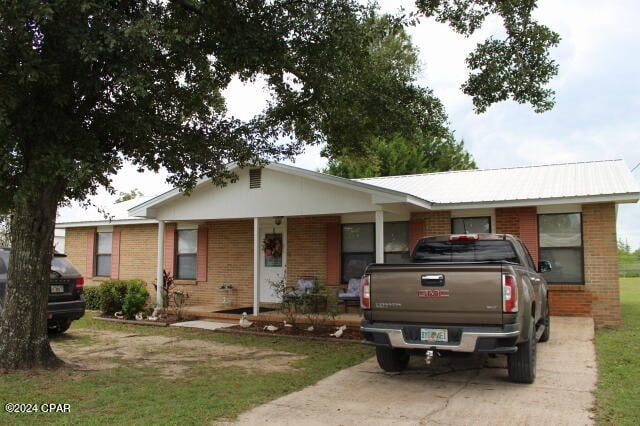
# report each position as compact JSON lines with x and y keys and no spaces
{"x":560,"y":240}
{"x":103,"y":253}
{"x":186,"y":254}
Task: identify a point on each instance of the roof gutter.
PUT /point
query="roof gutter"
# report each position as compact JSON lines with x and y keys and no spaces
{"x":616,"y":198}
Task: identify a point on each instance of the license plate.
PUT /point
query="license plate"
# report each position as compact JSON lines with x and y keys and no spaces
{"x":434,"y":334}
{"x":57,"y":289}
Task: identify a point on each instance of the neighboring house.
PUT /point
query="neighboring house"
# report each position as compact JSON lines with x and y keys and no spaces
{"x":303,"y":223}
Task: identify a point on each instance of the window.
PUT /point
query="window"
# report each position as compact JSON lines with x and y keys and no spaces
{"x":358,"y":246}
{"x":187,"y":248}
{"x":103,"y":254}
{"x":358,"y":249}
{"x":471,"y":225}
{"x":396,"y":242}
{"x":560,"y":237}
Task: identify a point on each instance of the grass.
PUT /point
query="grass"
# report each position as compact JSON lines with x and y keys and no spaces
{"x":618,"y":352}
{"x":131,"y":394}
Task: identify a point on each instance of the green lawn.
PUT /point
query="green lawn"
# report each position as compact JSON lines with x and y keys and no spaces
{"x":618,"y":351}
{"x":133,"y":392}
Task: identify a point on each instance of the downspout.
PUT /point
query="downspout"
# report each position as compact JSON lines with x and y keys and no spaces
{"x":379,"y":236}
{"x":159,"y":271}
{"x":256,"y":266}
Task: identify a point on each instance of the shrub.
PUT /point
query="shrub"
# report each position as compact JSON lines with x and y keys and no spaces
{"x":180,"y":298}
{"x":167,"y":286}
{"x":135,"y":299}
{"x":112,"y":294}
{"x":92,"y":298}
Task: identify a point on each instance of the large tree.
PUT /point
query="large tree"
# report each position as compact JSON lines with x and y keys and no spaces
{"x":430,"y":151}
{"x":397,"y":155}
{"x":86,"y":85}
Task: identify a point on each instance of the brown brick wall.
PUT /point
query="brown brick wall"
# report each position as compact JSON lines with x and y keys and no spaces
{"x":521,"y":222}
{"x":75,"y":247}
{"x":307,"y":247}
{"x":508,"y":221}
{"x":601,"y":262}
{"x":230,"y":259}
{"x":138,"y":252}
{"x":599,"y":296}
{"x":334,"y":257}
{"x":569,"y":300}
{"x":435,"y":223}
{"x":230,"y":256}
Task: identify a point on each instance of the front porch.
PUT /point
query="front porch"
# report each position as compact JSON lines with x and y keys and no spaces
{"x":275,"y":226}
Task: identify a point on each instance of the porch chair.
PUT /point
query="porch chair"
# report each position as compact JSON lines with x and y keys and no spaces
{"x":305,"y":285}
{"x":313,"y":300}
{"x":352,"y":294}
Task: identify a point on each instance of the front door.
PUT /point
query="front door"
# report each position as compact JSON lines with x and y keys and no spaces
{"x":273,"y":256}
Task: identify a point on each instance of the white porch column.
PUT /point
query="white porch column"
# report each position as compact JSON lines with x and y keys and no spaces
{"x":256,"y":266}
{"x":379,"y":236}
{"x":160,"y":269}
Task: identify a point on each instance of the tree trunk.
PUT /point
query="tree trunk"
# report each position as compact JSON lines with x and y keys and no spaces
{"x":24,"y":343}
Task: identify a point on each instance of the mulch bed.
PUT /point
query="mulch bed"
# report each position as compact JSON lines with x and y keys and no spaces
{"x":351,"y":334}
{"x":165,"y":321}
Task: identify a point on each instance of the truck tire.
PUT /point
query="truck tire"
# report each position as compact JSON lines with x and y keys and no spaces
{"x":547,"y":325}
{"x":392,"y":360}
{"x":522,"y":364}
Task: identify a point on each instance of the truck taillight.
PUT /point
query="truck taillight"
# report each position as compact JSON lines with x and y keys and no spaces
{"x":365,"y":292}
{"x":79,"y":282}
{"x":464,"y":237}
{"x":509,"y":293}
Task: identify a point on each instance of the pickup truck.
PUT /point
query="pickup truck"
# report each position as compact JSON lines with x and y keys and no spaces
{"x":460,"y":293}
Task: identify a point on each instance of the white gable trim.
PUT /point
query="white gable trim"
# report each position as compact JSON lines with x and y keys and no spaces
{"x":350,"y":191}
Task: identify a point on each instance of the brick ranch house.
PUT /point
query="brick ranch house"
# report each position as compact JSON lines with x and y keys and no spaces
{"x":282,"y":220}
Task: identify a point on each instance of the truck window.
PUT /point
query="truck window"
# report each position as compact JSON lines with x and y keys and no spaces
{"x":466,"y":251}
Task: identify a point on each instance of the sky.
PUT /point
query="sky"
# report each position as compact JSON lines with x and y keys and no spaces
{"x":596,"y":116}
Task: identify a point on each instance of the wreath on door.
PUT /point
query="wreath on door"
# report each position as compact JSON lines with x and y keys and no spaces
{"x":272,"y":245}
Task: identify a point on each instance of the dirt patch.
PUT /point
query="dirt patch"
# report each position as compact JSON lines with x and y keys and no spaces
{"x":107,"y":349}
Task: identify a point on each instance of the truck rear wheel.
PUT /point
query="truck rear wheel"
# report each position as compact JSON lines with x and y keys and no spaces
{"x":547,"y":325}
{"x":392,"y":360}
{"x":522,"y":364}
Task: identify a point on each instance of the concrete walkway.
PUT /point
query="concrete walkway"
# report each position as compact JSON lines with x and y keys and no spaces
{"x":460,"y":390}
{"x":203,"y":324}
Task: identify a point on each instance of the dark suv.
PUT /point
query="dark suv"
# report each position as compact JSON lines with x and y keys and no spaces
{"x":66,"y":301}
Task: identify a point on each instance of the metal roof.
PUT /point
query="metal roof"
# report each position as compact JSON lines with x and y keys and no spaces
{"x":588,"y":182}
{"x":608,"y":180}
{"x":111,"y":214}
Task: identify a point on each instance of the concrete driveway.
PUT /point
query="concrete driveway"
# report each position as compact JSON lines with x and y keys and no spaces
{"x":460,"y":390}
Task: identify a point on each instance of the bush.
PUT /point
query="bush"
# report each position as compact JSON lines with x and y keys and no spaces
{"x":135,"y":299}
{"x":112,"y":294}
{"x":92,"y":298}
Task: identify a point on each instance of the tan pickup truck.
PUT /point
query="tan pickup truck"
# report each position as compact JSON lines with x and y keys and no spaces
{"x":461,"y":293}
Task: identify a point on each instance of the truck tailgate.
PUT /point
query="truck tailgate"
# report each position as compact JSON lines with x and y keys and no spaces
{"x":437,"y":293}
